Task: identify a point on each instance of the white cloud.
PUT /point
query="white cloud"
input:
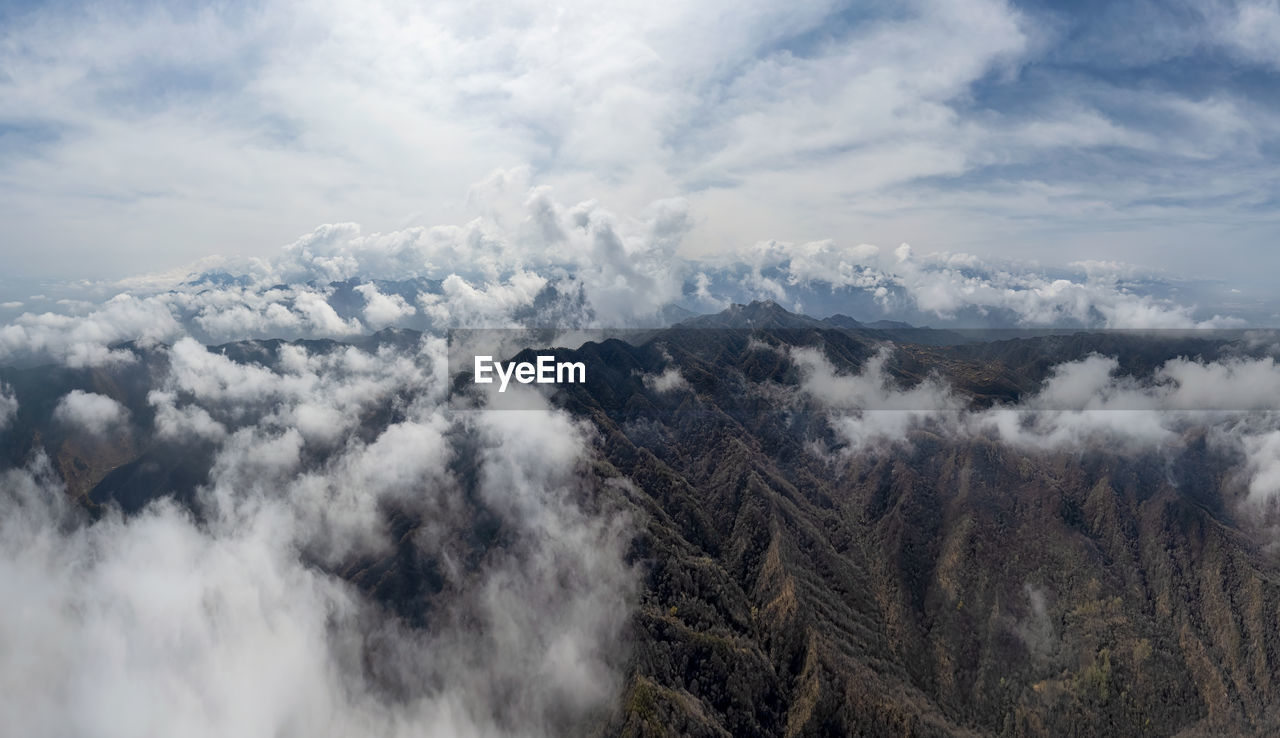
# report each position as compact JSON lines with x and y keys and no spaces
{"x":668,"y":381}
{"x":1230,"y":384}
{"x":1082,"y":405}
{"x":1263,"y":454}
{"x":85,"y":340}
{"x":8,"y":406}
{"x":183,"y":423}
{"x":381,"y":310}
{"x":574,"y":267}
{"x":1249,"y":29}
{"x":323,"y":317}
{"x":220,"y":623}
{"x":462,"y":304}
{"x":756,"y":113}
{"x":89,"y":412}
{"x":942,"y":285}
{"x":870,"y":407}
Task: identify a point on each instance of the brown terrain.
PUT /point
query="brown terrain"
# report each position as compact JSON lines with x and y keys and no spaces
{"x":939,"y":586}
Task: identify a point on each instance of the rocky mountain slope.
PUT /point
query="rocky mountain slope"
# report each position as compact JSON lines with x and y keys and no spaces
{"x":938,"y":587}
{"x":794,"y":585}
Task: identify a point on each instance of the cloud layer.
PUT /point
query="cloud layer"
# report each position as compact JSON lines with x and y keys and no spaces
{"x":533,"y":260}
{"x":225,"y":614}
{"x":1003,"y":128}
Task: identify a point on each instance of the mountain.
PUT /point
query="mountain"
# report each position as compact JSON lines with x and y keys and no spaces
{"x":795,"y":584}
{"x":764,"y":314}
{"x":945,"y":587}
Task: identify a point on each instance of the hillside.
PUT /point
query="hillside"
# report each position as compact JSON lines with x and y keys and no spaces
{"x":794,"y":583}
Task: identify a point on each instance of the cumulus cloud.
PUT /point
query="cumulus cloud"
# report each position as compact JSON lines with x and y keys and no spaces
{"x":381,"y":310}
{"x":323,"y":317}
{"x":237,"y":312}
{"x":951,"y":286}
{"x":227,"y":617}
{"x":762,"y":126}
{"x":451,"y":113}
{"x":190,"y":422}
{"x":492,"y":304}
{"x":532,"y":259}
{"x":625,"y":267}
{"x":89,"y":412}
{"x":86,"y":340}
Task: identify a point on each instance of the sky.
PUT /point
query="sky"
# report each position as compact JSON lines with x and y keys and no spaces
{"x":137,"y":138}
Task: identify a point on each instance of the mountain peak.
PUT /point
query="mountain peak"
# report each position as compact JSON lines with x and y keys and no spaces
{"x":762,"y":308}
{"x":756,"y":314}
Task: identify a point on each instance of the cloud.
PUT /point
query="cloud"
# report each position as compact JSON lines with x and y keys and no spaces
{"x":89,"y":412}
{"x":187,"y":423}
{"x":492,"y":304}
{"x":1263,"y":454}
{"x":1083,"y":405}
{"x":531,"y":258}
{"x":137,"y":627}
{"x":8,"y":406}
{"x":994,"y":127}
{"x":537,"y":262}
{"x":237,"y":312}
{"x":381,"y":310}
{"x":226,"y":617}
{"x":1250,"y":30}
{"x":965,"y":287}
{"x":626,"y":267}
{"x":668,"y":381}
{"x":1037,"y":629}
{"x":323,"y":317}
{"x":869,"y":407}
{"x":1231,"y":384}
{"x":86,"y":340}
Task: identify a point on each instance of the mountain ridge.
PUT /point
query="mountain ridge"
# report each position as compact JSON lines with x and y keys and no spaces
{"x":794,"y":585}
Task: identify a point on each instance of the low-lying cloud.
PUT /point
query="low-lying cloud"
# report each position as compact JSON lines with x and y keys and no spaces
{"x":226,"y":615}
{"x":8,"y":406}
{"x":89,"y":412}
{"x":531,"y":260}
{"x":1086,"y":404}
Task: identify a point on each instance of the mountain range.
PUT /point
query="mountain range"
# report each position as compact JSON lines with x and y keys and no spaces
{"x":795,"y":579}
